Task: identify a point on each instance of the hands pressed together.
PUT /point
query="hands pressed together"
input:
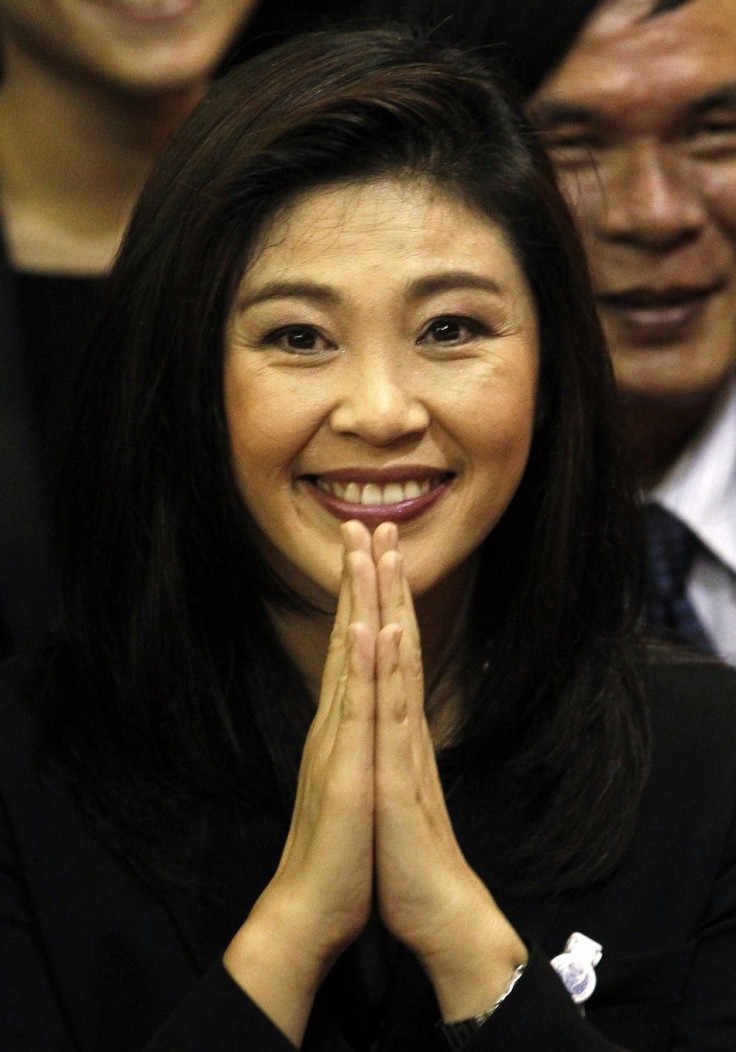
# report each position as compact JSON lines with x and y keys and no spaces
{"x":370,"y":819}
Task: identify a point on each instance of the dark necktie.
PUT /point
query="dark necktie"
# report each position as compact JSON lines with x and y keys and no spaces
{"x":671,"y":548}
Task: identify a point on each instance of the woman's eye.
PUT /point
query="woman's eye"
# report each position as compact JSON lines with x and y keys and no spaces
{"x":297,"y":339}
{"x":451,"y":330}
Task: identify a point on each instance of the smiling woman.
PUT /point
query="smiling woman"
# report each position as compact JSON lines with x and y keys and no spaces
{"x":406,"y":316}
{"x":346,"y":728}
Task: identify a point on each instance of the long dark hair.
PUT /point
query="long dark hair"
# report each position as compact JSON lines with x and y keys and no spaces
{"x":167,"y":676}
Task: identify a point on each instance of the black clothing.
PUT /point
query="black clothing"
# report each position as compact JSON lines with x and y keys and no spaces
{"x":93,"y":960}
{"x":57,"y":313}
{"x":45,"y":321}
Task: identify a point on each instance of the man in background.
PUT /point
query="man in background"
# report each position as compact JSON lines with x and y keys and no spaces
{"x":639,"y":116}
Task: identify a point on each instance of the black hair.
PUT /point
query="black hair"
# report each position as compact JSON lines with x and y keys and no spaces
{"x":167,"y":676}
{"x":527,"y":37}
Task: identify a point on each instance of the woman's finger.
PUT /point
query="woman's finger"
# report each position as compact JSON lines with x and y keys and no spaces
{"x":358,"y":603}
{"x":336,"y":650}
{"x":355,"y":736}
{"x":363,"y":605}
{"x":385,"y":538}
{"x":355,"y":538}
{"x":364,"y":602}
{"x":397,"y":607}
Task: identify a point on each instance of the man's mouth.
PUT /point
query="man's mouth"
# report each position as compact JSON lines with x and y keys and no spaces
{"x":379,"y":499}
{"x":658,"y":315}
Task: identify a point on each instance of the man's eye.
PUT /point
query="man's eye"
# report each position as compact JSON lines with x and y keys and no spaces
{"x":714,"y":137}
{"x":570,"y":148}
{"x":451,"y":330}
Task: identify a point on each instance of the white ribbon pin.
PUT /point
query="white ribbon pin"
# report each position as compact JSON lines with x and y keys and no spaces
{"x":576,"y":966}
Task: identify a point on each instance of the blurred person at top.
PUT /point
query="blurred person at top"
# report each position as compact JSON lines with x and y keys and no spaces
{"x":90,"y":90}
{"x":636,"y":100}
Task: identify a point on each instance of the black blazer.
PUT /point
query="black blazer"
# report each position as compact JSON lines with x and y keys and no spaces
{"x":27,"y":564}
{"x":92,"y":960}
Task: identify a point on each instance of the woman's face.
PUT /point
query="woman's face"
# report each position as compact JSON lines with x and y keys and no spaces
{"x":381,"y":363}
{"x":135,"y":46}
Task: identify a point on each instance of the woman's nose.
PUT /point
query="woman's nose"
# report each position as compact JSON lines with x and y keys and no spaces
{"x":380,"y":405}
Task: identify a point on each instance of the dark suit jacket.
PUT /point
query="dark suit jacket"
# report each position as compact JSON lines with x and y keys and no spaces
{"x":91,"y":959}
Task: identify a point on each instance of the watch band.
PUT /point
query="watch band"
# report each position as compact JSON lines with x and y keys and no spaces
{"x":457,"y":1034}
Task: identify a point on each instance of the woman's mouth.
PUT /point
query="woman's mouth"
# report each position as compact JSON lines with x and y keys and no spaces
{"x":147,"y":10}
{"x":378,"y":500}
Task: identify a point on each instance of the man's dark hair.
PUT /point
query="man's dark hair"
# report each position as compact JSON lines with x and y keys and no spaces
{"x":168,"y":675}
{"x":527,"y":37}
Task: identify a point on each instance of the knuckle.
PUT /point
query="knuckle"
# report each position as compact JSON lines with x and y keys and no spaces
{"x":354,"y":708}
{"x":336,"y":644}
{"x":415,"y":667}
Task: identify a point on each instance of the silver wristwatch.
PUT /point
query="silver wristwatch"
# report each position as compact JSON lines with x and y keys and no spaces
{"x":458,"y":1034}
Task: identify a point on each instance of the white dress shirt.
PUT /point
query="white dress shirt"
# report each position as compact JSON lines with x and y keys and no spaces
{"x":700,"y":489}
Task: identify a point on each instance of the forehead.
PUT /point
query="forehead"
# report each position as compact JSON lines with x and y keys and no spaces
{"x":410,"y":220}
{"x":643,"y":70}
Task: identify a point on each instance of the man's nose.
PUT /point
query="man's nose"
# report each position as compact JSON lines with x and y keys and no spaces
{"x":380,"y":403}
{"x":649,"y":199}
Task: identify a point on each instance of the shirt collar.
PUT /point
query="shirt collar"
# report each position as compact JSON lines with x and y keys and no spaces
{"x":700,"y":487}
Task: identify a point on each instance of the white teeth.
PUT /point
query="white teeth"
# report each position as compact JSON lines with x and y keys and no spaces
{"x":160,"y":8}
{"x":371,"y":494}
{"x":352,"y":492}
{"x":392,"y":493}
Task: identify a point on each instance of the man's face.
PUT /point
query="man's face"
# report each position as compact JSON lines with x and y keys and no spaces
{"x":640,"y":119}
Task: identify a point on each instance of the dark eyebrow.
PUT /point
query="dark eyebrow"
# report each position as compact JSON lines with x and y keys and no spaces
{"x":545,"y":115}
{"x":449,"y":280}
{"x":419,"y":289}
{"x":279,"y":290}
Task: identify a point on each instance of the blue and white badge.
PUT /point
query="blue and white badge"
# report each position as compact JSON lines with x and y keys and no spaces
{"x":576,"y":966}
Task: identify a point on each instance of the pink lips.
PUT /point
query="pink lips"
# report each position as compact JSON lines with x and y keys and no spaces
{"x":374,"y":514}
{"x":147,"y":10}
